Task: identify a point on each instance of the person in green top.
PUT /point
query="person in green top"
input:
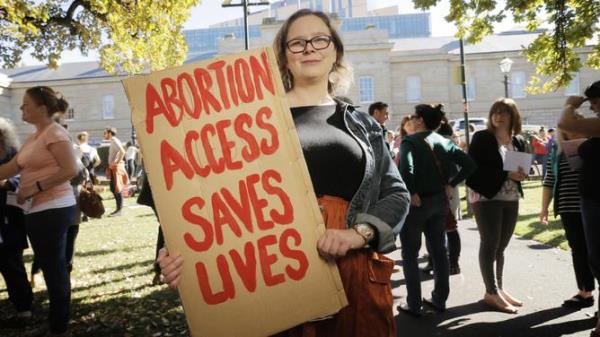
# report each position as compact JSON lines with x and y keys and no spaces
{"x":427,"y":165}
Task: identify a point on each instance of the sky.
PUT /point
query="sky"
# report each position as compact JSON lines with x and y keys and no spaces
{"x":210,"y":12}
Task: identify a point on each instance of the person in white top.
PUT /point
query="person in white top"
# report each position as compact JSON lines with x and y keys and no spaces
{"x":116,"y":168}
{"x":130,"y":156}
{"x":88,"y":154}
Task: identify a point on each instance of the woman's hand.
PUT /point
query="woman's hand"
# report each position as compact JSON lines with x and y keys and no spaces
{"x":518,"y":175}
{"x":449,"y":192}
{"x":415,"y":200}
{"x":170,"y":267}
{"x":336,"y":243}
{"x":544,"y":217}
{"x":26,"y":192}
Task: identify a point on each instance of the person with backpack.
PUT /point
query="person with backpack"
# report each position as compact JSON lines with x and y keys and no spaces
{"x":89,"y":156}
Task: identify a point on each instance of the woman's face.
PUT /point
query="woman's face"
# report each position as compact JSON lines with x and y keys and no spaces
{"x":595,"y":105}
{"x":501,"y":119}
{"x":30,"y":110}
{"x":409,"y":127}
{"x":311,"y":64}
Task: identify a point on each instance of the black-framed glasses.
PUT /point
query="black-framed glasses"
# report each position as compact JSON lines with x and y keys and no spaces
{"x":298,"y":46}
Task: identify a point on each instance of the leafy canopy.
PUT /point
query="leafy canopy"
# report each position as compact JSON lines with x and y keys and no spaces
{"x":131,"y":35}
{"x":573,"y":24}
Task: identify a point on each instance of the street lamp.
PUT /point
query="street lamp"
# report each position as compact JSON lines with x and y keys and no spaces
{"x":505,"y":66}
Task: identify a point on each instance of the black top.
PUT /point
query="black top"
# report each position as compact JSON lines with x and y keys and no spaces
{"x":589,"y":179}
{"x":334,"y":158}
{"x":490,"y":175}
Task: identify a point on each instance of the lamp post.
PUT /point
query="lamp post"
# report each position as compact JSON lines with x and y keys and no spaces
{"x":245,"y":4}
{"x":505,"y":66}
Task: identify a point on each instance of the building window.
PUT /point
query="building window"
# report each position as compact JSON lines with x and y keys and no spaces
{"x":70,"y":114}
{"x":365,"y":88}
{"x":471,"y":88}
{"x":413,"y":89}
{"x":573,"y":88}
{"x":108,"y":107}
{"x":517,"y":83}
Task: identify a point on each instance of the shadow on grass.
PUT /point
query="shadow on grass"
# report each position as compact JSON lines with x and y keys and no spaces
{"x":109,"y":281}
{"x":122,"y":267}
{"x":155,"y":314}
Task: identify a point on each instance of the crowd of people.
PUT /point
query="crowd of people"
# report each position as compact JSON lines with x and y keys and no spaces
{"x":392,"y":186}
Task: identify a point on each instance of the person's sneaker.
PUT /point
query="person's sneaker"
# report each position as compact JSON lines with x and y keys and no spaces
{"x":454,"y":270}
{"x":435,"y":306}
{"x":115,"y":213}
{"x":427,"y":270}
{"x":18,"y":321}
{"x":578,"y":302}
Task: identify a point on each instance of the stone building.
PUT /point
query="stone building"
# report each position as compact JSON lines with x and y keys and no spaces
{"x":388,"y":66}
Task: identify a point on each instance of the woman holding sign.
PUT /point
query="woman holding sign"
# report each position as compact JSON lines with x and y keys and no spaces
{"x":494,"y":194}
{"x":47,"y":162}
{"x":361,"y":203}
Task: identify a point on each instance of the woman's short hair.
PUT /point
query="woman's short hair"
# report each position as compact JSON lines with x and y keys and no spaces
{"x":506,"y":105}
{"x":340,"y":77}
{"x":593,"y":91}
{"x":54,"y":101}
{"x":83,"y":136}
{"x":431,"y":114}
{"x":8,"y":136}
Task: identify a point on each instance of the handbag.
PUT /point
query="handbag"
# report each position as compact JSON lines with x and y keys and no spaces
{"x":451,"y":223}
{"x":90,"y":202}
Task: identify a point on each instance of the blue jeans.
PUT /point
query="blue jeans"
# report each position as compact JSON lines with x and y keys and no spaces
{"x":47,"y":232}
{"x":590,"y":211}
{"x":428,"y":219}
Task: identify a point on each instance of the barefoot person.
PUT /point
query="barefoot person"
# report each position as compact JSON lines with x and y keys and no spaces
{"x":494,"y":194}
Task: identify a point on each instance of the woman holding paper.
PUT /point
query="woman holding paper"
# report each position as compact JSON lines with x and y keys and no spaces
{"x":47,"y":162}
{"x":560,"y":183}
{"x":362,"y":203}
{"x":494,"y":194}
{"x":589,"y":179}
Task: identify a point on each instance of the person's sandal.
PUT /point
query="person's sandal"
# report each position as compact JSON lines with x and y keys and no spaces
{"x":578,"y":302}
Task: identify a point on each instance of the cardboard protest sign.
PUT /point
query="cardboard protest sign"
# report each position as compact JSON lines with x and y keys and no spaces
{"x":234,"y":196}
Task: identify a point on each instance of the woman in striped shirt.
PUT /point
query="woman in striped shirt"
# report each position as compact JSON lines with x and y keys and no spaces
{"x":560,"y":183}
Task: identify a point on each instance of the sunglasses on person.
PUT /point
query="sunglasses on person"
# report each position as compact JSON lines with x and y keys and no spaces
{"x":297,"y":46}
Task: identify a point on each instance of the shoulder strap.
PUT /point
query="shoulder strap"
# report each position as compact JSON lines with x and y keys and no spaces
{"x":437,"y":161}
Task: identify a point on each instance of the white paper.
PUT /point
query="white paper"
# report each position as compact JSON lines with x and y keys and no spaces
{"x":516,"y":159}
{"x":570,"y":149}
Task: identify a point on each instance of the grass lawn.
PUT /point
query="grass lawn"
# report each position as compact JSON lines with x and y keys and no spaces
{"x":528,"y":225}
{"x":112,"y":291}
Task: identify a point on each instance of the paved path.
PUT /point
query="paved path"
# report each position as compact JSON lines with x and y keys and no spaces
{"x":539,"y":275}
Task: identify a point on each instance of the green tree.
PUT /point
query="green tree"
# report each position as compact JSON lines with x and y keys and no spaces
{"x":131,"y":35}
{"x":572,"y":24}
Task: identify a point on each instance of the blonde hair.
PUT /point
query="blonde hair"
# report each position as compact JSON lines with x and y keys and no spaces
{"x":83,"y":136}
{"x":340,"y":77}
{"x":8,"y":136}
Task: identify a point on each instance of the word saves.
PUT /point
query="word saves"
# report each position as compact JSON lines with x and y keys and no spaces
{"x":233,"y":217}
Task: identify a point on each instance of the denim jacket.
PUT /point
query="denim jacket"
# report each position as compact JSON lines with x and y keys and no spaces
{"x":382,"y":199}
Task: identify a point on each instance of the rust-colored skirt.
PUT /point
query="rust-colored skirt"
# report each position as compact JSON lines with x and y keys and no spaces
{"x":366,"y":279}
